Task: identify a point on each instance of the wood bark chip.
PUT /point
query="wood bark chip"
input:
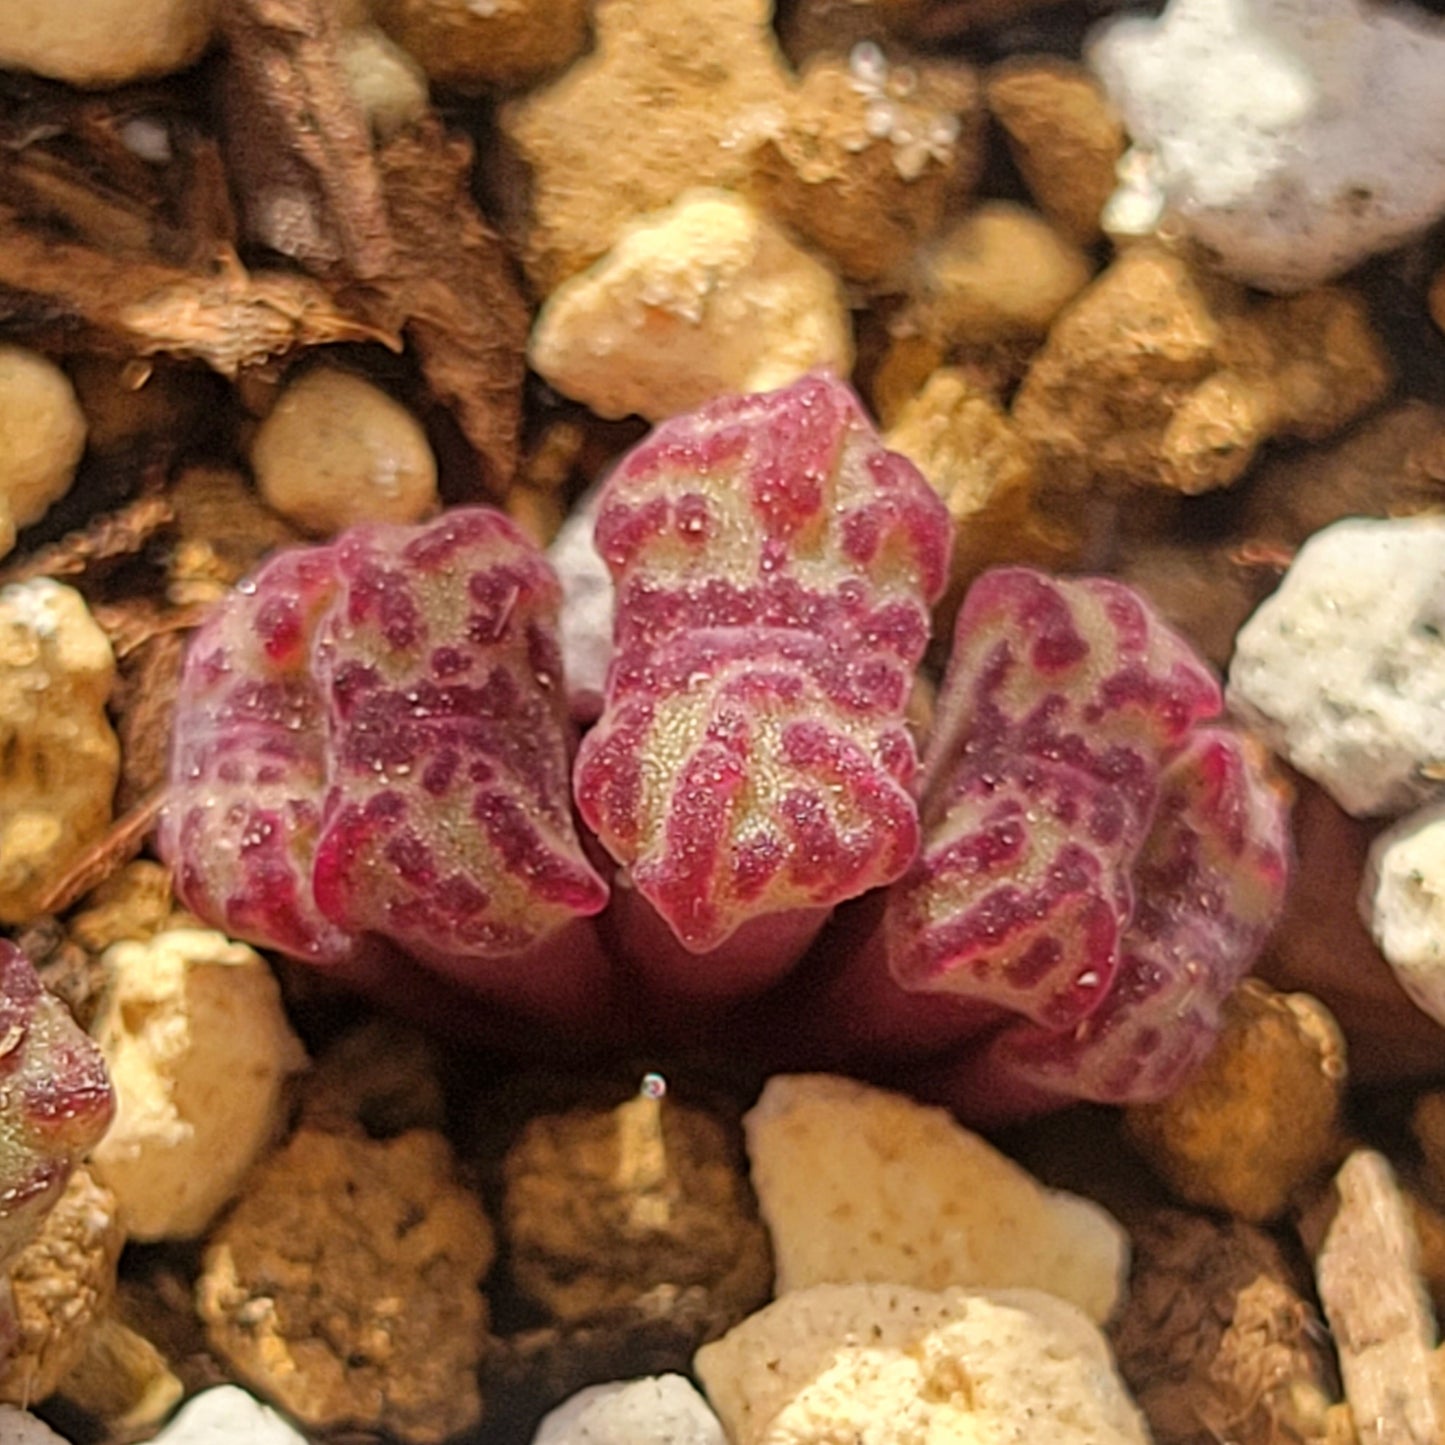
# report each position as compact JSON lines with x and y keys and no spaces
{"x":133,"y":623}
{"x":98,"y":252}
{"x":396,"y":232}
{"x":1374,"y":1300}
{"x":227,"y":317}
{"x":298,"y":144}
{"x":121,"y":843}
{"x":466,"y":313}
{"x":128,"y":171}
{"x":106,"y":538}
{"x":144,"y":703}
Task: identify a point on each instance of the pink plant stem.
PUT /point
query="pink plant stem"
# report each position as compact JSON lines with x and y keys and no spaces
{"x":843,"y":1008}
{"x":752,"y":958}
{"x":577,"y":1007}
{"x":566,"y":980}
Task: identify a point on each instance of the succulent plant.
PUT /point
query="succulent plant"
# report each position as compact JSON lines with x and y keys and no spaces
{"x":774,"y":568}
{"x":55,"y":1103}
{"x":1101,"y":862}
{"x":371,"y":741}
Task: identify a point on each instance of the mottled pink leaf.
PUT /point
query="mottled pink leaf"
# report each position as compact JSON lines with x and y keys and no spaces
{"x":371,"y":738}
{"x":1099,"y":860}
{"x":774,"y":567}
{"x":55,"y":1101}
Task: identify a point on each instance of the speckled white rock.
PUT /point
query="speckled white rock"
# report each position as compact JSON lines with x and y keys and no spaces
{"x":703,"y":299}
{"x":887,"y":1365}
{"x":1402,"y":901}
{"x":1342,"y":669}
{"x":824,"y":1154}
{"x":658,"y":1410}
{"x":1292,"y":137}
{"x":584,"y":631}
{"x":227,"y":1416}
{"x":20,"y":1427}
{"x":199,"y":1050}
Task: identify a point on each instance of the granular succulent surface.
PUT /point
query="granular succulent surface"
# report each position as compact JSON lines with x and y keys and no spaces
{"x":1095,"y":859}
{"x":774,"y":568}
{"x":371,"y":739}
{"x":55,"y":1103}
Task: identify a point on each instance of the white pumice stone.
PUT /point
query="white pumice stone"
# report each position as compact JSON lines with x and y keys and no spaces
{"x":882,"y":1364}
{"x":1402,"y":901}
{"x":1293,"y":138}
{"x":227,"y":1415}
{"x":824,"y":1152}
{"x":585,"y":628}
{"x":699,"y":300}
{"x":20,"y":1427}
{"x":1342,"y":669}
{"x":658,"y":1410}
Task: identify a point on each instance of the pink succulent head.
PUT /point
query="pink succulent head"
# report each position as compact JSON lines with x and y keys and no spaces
{"x":370,"y":738}
{"x":55,"y":1100}
{"x":1094,"y":861}
{"x":774,"y":567}
{"x":1209,"y":885}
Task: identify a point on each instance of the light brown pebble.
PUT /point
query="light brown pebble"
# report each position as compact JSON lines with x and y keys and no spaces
{"x":223,"y":530}
{"x":344,"y":1285}
{"x":499,"y":42}
{"x":703,"y":299}
{"x":61,"y":1282}
{"x":1260,"y":1117}
{"x":601,"y":1207}
{"x":1002,"y":273}
{"x":103,"y":42}
{"x":337,"y":450}
{"x":1064,"y":136}
{"x":654,"y":109}
{"x":42,"y":436}
{"x":61,"y":759}
{"x":1159,"y":375}
{"x":871,"y":158}
{"x":974,"y":458}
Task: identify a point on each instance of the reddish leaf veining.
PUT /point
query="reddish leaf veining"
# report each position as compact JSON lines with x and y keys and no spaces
{"x":55,"y":1104}
{"x":774,"y":569}
{"x":1095,"y":861}
{"x":371,"y":740}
